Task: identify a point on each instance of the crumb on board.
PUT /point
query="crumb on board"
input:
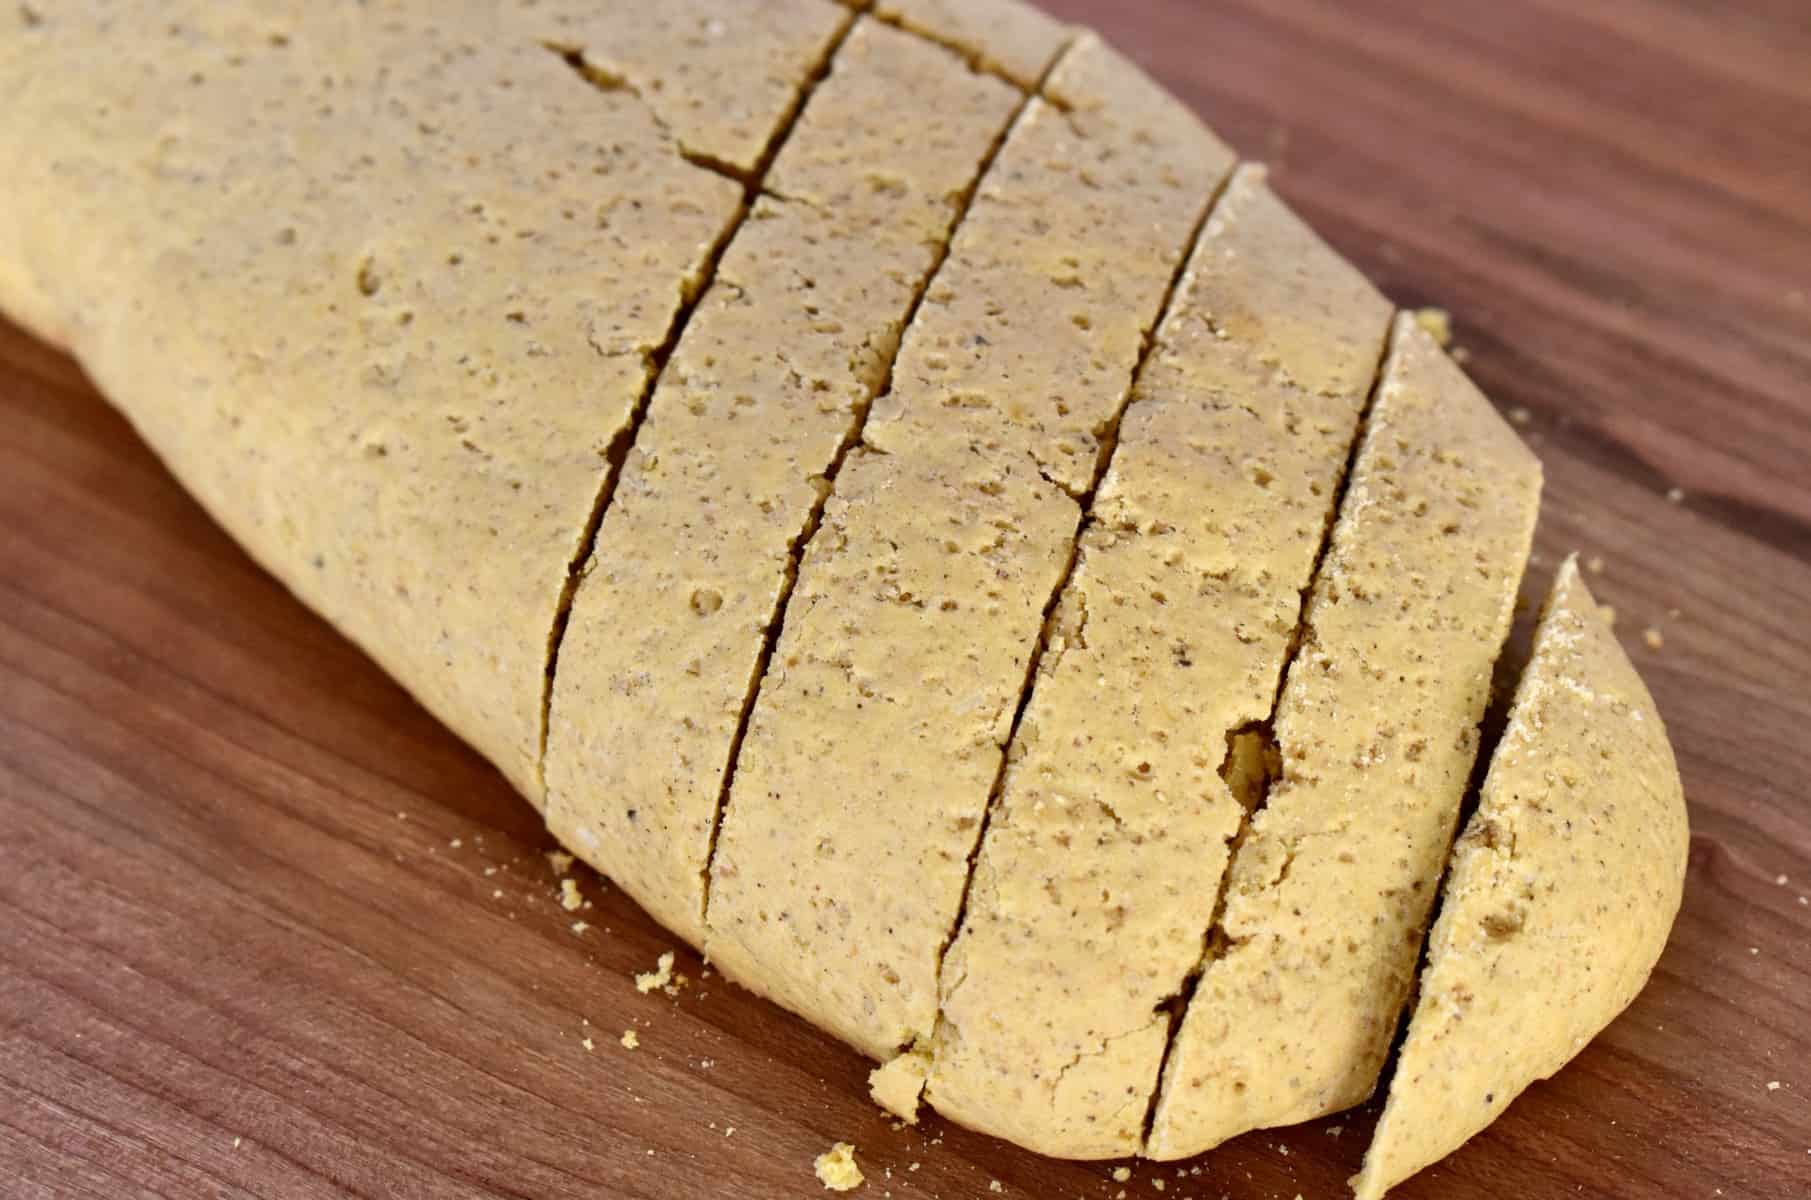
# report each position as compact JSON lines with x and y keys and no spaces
{"x":630,"y":1041}
{"x":836,"y":1168}
{"x":579,"y":927}
{"x":1675,"y":495}
{"x":1773,"y":1085}
{"x":588,"y":1044}
{"x":993,"y":1185}
{"x":570,"y":899}
{"x":560,"y":861}
{"x":1653,"y":637}
{"x":1520,"y":416}
{"x":1121,"y":1174}
{"x":659,"y":977}
{"x":1438,"y":323}
{"x":1594,"y":564}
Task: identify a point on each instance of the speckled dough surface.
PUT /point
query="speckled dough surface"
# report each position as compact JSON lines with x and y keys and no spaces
{"x":1576,"y":856}
{"x":776,"y":367}
{"x":719,"y":75}
{"x":380,"y":330}
{"x":1014,"y":38}
{"x":1329,"y":893}
{"x":879,"y":730}
{"x":1101,"y":863}
{"x":857,"y":467}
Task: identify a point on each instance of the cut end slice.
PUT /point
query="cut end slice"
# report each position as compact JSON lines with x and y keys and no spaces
{"x":1576,"y":856}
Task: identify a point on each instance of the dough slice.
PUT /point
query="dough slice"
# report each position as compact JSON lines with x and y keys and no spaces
{"x":380,"y":284}
{"x":1328,"y":893}
{"x":1095,"y":886}
{"x":1016,"y":39}
{"x":878,"y":732}
{"x":774,"y":372}
{"x":1559,"y":899}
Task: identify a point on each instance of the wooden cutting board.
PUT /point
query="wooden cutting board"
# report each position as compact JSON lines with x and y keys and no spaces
{"x":266,"y":929}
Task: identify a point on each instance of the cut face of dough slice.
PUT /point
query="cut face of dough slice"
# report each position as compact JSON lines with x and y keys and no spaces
{"x":1559,"y":899}
{"x":1095,"y":887}
{"x":878,"y":732}
{"x":772,"y":376}
{"x":1329,"y":891}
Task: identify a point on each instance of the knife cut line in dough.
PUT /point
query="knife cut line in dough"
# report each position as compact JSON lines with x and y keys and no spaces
{"x":743,"y":439}
{"x":1377,"y":728}
{"x":617,"y":453}
{"x":1106,"y":839}
{"x":884,"y":714}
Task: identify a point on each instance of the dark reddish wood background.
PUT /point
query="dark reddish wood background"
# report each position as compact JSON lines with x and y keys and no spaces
{"x":250,"y":937}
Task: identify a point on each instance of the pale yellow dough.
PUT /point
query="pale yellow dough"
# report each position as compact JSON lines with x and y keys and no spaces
{"x":1559,"y":898}
{"x":1014,"y":38}
{"x":879,"y":730}
{"x":1329,"y":893}
{"x":1098,"y":876}
{"x":380,"y":284}
{"x":572,"y":356}
{"x":774,"y":372}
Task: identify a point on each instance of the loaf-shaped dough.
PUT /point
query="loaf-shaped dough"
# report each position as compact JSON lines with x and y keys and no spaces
{"x":876,"y":476}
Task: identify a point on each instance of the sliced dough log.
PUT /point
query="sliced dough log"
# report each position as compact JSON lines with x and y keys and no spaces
{"x":1095,"y":887}
{"x":878,"y":733}
{"x":1016,"y":39}
{"x":1329,"y":892}
{"x":719,"y":74}
{"x":390,"y":287}
{"x":381,"y":285}
{"x":774,"y":372}
{"x":1559,"y":899}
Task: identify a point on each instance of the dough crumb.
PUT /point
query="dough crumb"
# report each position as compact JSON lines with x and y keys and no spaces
{"x":836,"y":1168}
{"x":1121,"y":1174}
{"x":897,"y":1084}
{"x":630,"y":1041}
{"x":1675,"y":495}
{"x":659,"y":977}
{"x":588,"y":1044}
{"x":1594,"y":564}
{"x":579,"y":927}
{"x":993,"y":1185}
{"x":570,"y":900}
{"x":1773,"y":1085}
{"x":1653,"y":638}
{"x":560,"y":861}
{"x":1438,"y":322}
{"x":1520,"y":416}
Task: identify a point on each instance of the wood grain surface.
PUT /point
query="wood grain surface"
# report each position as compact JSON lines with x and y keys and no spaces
{"x":266,"y":929}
